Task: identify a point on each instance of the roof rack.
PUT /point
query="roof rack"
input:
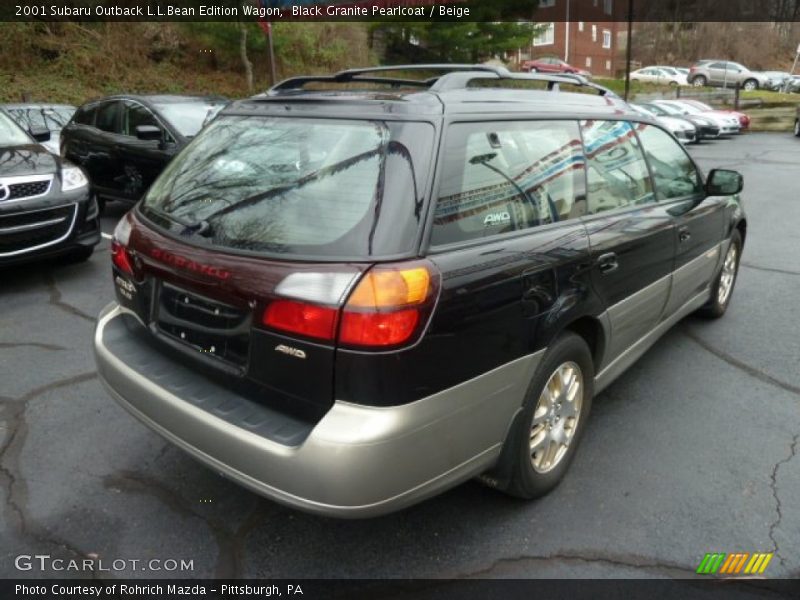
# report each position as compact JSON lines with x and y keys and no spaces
{"x":453,"y":77}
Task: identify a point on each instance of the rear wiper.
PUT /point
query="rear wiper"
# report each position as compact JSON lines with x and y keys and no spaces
{"x":200,"y":227}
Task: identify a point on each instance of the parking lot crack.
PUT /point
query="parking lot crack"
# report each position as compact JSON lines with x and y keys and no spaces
{"x":518,"y":564}
{"x":229,"y":543}
{"x":55,"y":300}
{"x":39,"y":345}
{"x":768,"y":269}
{"x":12,"y":412}
{"x":778,"y":506}
{"x":738,"y":364}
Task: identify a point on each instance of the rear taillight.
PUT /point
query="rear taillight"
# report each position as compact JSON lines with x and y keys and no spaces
{"x":302,"y":318}
{"x":119,"y":246}
{"x":121,"y":258}
{"x":387,"y":308}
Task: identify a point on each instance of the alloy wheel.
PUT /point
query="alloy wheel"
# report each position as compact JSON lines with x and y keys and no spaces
{"x":728,"y":275}
{"x":556,"y":416}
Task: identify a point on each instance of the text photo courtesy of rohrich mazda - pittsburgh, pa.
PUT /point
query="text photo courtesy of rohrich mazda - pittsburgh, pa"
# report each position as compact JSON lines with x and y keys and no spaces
{"x":440,"y":299}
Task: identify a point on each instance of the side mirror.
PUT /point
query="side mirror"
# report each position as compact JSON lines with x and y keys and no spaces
{"x":724,"y":182}
{"x":148,"y":132}
{"x":40,"y":134}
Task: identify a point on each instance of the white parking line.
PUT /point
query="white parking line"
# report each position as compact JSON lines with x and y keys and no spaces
{"x":107,"y":236}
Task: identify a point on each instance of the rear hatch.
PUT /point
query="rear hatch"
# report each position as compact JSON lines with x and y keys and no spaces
{"x":244,"y":251}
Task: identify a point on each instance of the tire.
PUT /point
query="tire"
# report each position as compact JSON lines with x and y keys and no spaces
{"x":750,"y":85}
{"x":722,"y":290}
{"x":699,"y":81}
{"x":534,"y":70}
{"x":534,"y":474}
{"x":797,"y":127}
{"x":673,"y":84}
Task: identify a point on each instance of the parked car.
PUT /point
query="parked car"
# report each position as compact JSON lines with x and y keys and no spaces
{"x":776,"y":80}
{"x":683,"y":71}
{"x":659,"y":75}
{"x":724,"y":73}
{"x":52,"y":117}
{"x":46,"y":209}
{"x":682,"y":129}
{"x":728,"y":124}
{"x":744,"y":118}
{"x":124,"y":142}
{"x":305,"y":300}
{"x":707,"y":129}
{"x":551,"y":64}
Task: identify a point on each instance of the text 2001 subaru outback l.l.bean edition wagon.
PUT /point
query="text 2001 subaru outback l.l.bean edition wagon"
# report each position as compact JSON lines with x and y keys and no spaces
{"x":350,"y":300}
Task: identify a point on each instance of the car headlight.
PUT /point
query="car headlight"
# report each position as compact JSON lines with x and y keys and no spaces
{"x":72,"y":178}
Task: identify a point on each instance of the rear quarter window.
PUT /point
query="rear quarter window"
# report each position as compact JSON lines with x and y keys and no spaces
{"x":504,"y":177}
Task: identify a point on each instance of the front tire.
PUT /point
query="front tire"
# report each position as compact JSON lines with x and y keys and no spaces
{"x":750,"y":85}
{"x":555,"y":412}
{"x":722,"y":290}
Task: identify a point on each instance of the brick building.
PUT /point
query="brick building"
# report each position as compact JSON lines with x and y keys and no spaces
{"x":588,"y":34}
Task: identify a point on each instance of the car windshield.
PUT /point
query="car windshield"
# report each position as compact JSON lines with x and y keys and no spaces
{"x":669,"y":109}
{"x":188,"y":117}
{"x":692,"y":110}
{"x":52,"y":118}
{"x":11,"y":134}
{"x":310,"y":187}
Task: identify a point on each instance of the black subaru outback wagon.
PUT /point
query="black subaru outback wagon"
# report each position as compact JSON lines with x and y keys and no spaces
{"x":356,"y":291}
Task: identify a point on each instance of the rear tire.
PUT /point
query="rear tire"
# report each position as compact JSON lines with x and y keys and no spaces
{"x":534,"y":70}
{"x":722,"y":290}
{"x":544,"y":440}
{"x":699,"y":81}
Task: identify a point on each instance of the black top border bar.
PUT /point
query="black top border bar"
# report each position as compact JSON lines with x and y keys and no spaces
{"x":271,"y":11}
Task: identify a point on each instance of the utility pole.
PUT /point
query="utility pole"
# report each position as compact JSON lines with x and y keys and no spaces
{"x":791,"y":73}
{"x":628,"y":51}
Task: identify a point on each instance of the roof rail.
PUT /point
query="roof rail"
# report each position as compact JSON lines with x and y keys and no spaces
{"x":453,"y":77}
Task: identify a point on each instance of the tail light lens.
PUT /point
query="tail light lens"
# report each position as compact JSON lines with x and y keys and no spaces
{"x":302,"y":318}
{"x":387,"y":308}
{"x":119,"y":243}
{"x":121,"y":258}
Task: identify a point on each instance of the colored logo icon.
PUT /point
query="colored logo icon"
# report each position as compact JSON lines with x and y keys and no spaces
{"x":742,"y":563}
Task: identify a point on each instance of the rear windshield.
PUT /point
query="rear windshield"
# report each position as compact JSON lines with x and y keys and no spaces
{"x":52,"y":118}
{"x":318,"y":188}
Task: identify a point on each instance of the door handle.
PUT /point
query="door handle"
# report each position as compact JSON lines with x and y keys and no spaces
{"x":684,"y":235}
{"x":607,"y":262}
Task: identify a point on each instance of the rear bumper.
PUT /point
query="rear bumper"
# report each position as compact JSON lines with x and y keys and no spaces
{"x":358,"y":461}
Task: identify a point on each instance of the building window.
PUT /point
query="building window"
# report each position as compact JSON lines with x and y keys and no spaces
{"x":588,"y":61}
{"x":608,"y":6}
{"x":546,"y":36}
{"x":594,"y":33}
{"x":606,"y":38}
{"x":547,"y":3}
{"x":580,"y":25}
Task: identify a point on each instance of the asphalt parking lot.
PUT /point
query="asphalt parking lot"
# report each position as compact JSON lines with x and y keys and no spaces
{"x":691,"y":451}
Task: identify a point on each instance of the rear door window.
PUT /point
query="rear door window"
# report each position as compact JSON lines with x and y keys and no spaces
{"x":508,"y":176}
{"x":617,"y":173}
{"x":322,"y":188}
